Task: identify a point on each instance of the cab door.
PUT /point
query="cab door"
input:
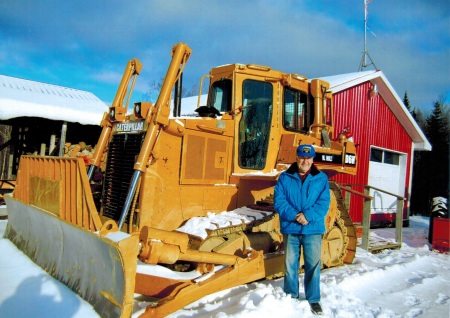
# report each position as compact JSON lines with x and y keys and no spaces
{"x":255,"y":123}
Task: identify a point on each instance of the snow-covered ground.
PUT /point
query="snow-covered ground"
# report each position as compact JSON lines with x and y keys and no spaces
{"x":410,"y":282}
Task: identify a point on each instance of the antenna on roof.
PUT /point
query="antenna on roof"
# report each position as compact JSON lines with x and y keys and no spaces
{"x":366,"y":54}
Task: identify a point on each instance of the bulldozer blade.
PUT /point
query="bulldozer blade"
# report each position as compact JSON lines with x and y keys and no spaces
{"x":100,"y":269}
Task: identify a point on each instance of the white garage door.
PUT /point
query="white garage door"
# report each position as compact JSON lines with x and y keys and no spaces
{"x":387,"y":171}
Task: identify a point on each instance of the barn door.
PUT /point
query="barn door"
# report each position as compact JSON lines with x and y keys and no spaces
{"x":387,"y":171}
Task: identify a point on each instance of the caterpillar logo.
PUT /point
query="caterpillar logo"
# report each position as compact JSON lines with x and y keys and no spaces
{"x":130,"y":127}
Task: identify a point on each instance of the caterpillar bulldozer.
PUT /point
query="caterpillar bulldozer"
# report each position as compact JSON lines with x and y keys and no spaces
{"x":142,"y":236}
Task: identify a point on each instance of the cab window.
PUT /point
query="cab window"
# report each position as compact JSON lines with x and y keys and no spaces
{"x":296,"y":113}
{"x":220,"y":96}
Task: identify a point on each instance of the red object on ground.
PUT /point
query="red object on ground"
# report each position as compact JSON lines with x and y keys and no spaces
{"x":441,"y":235}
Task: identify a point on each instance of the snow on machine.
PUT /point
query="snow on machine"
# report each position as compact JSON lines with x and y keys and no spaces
{"x":158,"y":228}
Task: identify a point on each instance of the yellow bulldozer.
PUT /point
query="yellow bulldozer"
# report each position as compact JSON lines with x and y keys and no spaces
{"x":164,"y":176}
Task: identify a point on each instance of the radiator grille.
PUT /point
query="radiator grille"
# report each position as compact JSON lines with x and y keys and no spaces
{"x":122,"y":154}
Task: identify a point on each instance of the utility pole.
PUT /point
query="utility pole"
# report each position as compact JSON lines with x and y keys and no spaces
{"x":363,"y":64}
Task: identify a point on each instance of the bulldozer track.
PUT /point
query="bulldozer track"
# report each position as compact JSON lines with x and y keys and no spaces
{"x":345,"y":221}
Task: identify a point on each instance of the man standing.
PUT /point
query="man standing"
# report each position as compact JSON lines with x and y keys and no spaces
{"x":302,"y":199}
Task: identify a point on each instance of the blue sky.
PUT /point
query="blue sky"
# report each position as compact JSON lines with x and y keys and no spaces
{"x":86,"y":44}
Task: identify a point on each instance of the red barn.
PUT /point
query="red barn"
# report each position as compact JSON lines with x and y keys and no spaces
{"x":387,"y":136}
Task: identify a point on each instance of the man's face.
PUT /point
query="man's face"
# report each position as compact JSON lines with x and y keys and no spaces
{"x":304,"y":164}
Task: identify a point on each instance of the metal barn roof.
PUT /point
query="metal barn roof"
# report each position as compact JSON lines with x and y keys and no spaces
{"x":342,"y":82}
{"x":25,"y":98}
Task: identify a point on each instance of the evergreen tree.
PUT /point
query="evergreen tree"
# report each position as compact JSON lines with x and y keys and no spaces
{"x":436,"y":162}
{"x":419,"y":117}
{"x":431,"y":169}
{"x":419,"y":189}
{"x":419,"y":197}
{"x":416,"y":113}
{"x":406,"y":102}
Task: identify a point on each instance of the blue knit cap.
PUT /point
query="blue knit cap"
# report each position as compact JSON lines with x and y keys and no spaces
{"x":306,"y":151}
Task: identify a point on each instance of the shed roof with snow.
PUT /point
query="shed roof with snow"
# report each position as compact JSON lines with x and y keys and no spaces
{"x":25,"y":98}
{"x":342,"y":82}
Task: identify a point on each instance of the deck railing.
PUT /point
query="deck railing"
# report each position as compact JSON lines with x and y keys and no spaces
{"x":366,"y":211}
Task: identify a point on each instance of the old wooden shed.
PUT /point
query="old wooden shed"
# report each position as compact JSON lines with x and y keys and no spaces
{"x":33,"y":114}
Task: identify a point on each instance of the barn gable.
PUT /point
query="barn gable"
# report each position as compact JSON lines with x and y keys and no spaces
{"x":345,"y":82}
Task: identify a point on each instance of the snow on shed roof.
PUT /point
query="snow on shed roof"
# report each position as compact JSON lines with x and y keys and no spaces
{"x":25,"y":98}
{"x":190,"y":104}
{"x":344,"y":81}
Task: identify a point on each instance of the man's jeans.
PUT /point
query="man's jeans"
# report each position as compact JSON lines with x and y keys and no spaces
{"x":312,"y":254}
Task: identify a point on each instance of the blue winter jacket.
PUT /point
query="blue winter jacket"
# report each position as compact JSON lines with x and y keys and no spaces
{"x":312,"y":197}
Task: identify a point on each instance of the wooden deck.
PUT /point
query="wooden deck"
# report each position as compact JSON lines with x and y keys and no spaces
{"x":378,"y":243}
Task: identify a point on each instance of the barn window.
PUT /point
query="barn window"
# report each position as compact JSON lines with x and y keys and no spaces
{"x":376,"y":155}
{"x":384,"y":156}
{"x":391,"y":158}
